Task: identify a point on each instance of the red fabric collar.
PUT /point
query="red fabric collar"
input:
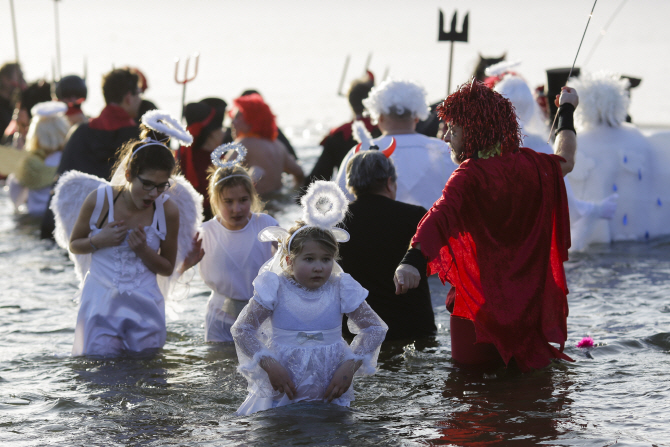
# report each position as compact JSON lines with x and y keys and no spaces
{"x":499,"y":235}
{"x":112,"y":117}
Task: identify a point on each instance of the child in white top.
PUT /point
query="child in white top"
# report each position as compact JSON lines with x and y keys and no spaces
{"x":229,"y":248}
{"x":289,"y":337}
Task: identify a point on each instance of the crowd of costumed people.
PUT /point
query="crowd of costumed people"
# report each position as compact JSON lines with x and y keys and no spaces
{"x":473,"y":185}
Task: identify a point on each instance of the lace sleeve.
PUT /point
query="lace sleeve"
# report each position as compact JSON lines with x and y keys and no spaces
{"x":251,"y":333}
{"x":371,"y":331}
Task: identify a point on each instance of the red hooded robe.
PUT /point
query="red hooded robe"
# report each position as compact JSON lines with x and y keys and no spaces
{"x":499,"y":235}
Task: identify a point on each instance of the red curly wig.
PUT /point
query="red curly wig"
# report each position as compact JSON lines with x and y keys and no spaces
{"x":258,"y":114}
{"x":487,"y":119}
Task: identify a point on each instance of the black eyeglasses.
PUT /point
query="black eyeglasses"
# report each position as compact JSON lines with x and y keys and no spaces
{"x":149,"y":186}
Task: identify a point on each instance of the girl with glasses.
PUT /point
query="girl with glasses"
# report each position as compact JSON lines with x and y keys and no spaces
{"x":131,"y":229}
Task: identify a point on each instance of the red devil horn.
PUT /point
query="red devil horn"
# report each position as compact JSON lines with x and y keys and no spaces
{"x":358,"y":148}
{"x":389,"y":150}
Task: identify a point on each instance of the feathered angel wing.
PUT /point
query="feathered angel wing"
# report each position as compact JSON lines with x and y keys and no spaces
{"x":189,"y":202}
{"x":70,"y":192}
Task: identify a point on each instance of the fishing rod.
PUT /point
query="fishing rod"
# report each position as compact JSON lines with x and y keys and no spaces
{"x":573,"y":66}
{"x":16,"y":41}
{"x":604,"y":31}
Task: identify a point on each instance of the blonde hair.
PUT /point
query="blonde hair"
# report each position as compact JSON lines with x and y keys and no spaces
{"x":237,"y":176}
{"x":47,"y":134}
{"x":325,"y":238}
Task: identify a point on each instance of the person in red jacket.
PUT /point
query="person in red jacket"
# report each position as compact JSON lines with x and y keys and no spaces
{"x":499,"y":234}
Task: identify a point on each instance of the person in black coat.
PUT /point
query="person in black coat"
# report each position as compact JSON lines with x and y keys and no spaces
{"x":381,"y":229}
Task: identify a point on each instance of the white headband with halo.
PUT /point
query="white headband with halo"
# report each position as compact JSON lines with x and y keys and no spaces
{"x":163,"y":122}
{"x":324,"y":206}
{"x":221,"y":150}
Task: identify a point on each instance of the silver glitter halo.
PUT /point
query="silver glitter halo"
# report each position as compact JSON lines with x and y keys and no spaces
{"x":221,"y":150}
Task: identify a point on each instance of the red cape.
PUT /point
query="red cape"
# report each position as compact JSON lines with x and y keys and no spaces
{"x":499,"y":235}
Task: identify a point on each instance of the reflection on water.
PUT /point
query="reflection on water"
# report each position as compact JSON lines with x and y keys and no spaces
{"x":187,"y":394}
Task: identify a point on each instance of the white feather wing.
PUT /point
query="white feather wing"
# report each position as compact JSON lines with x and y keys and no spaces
{"x":69,"y":194}
{"x":189,"y":203}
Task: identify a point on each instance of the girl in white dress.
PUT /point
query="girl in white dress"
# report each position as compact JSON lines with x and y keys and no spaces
{"x":229,"y":248}
{"x":289,"y":337}
{"x":131,"y":231}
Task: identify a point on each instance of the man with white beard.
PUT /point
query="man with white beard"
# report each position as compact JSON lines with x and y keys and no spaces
{"x":423,"y":164}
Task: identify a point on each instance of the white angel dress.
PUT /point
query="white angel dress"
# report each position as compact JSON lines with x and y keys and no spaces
{"x":231,"y":262}
{"x":122,"y":308}
{"x":302,"y":330}
{"x":122,"y":302}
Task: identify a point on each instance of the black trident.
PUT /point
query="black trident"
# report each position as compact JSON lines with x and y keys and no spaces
{"x":452,"y":36}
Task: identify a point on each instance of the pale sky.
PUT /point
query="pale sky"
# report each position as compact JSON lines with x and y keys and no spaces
{"x":293,"y":51}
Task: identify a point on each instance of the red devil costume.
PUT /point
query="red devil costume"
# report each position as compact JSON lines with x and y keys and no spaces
{"x":499,"y":235}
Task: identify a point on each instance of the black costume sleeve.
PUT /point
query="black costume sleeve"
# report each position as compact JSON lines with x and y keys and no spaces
{"x":415,"y":258}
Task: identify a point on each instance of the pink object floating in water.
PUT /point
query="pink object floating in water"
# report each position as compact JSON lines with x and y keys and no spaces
{"x":586,"y":342}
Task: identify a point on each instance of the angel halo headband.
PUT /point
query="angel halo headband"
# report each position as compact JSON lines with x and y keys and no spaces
{"x":48,"y":108}
{"x":324,"y":206}
{"x":163,"y":122}
{"x":221,"y":150}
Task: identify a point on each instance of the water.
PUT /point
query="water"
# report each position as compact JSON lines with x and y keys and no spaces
{"x":188,"y":393}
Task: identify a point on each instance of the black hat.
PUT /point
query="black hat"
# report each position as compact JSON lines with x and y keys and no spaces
{"x":556,"y":79}
{"x":203,"y":117}
{"x":71,"y":86}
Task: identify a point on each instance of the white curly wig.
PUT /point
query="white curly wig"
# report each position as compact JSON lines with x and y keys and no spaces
{"x":517,"y":91}
{"x":603,"y":99}
{"x":400,"y":95}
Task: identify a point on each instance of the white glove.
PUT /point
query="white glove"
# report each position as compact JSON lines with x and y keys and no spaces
{"x":607,"y":207}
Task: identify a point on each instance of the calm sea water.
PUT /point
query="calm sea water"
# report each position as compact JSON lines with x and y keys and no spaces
{"x":187,"y":394}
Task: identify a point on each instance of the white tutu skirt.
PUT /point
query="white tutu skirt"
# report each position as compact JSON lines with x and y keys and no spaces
{"x":310,"y":359}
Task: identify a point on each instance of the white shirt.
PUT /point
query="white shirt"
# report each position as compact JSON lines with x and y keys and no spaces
{"x":423,"y":165}
{"x":233,"y":257}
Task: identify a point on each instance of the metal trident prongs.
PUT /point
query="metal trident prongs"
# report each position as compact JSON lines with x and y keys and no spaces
{"x":185,"y":79}
{"x":452,"y":36}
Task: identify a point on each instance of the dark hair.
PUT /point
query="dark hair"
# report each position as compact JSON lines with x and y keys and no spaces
{"x":241,"y":177}
{"x":71,"y":86}
{"x":324,"y":238}
{"x":152,"y":157}
{"x":8,"y":68}
{"x":117,"y":83}
{"x":359,"y":90}
{"x":35,"y":93}
{"x":197,"y":112}
{"x":368,"y":172}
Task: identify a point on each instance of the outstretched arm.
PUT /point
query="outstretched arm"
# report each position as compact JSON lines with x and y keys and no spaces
{"x":566,"y":138}
{"x":292,"y":167}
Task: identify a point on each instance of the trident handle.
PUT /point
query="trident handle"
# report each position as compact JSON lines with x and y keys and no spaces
{"x":185,"y":80}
